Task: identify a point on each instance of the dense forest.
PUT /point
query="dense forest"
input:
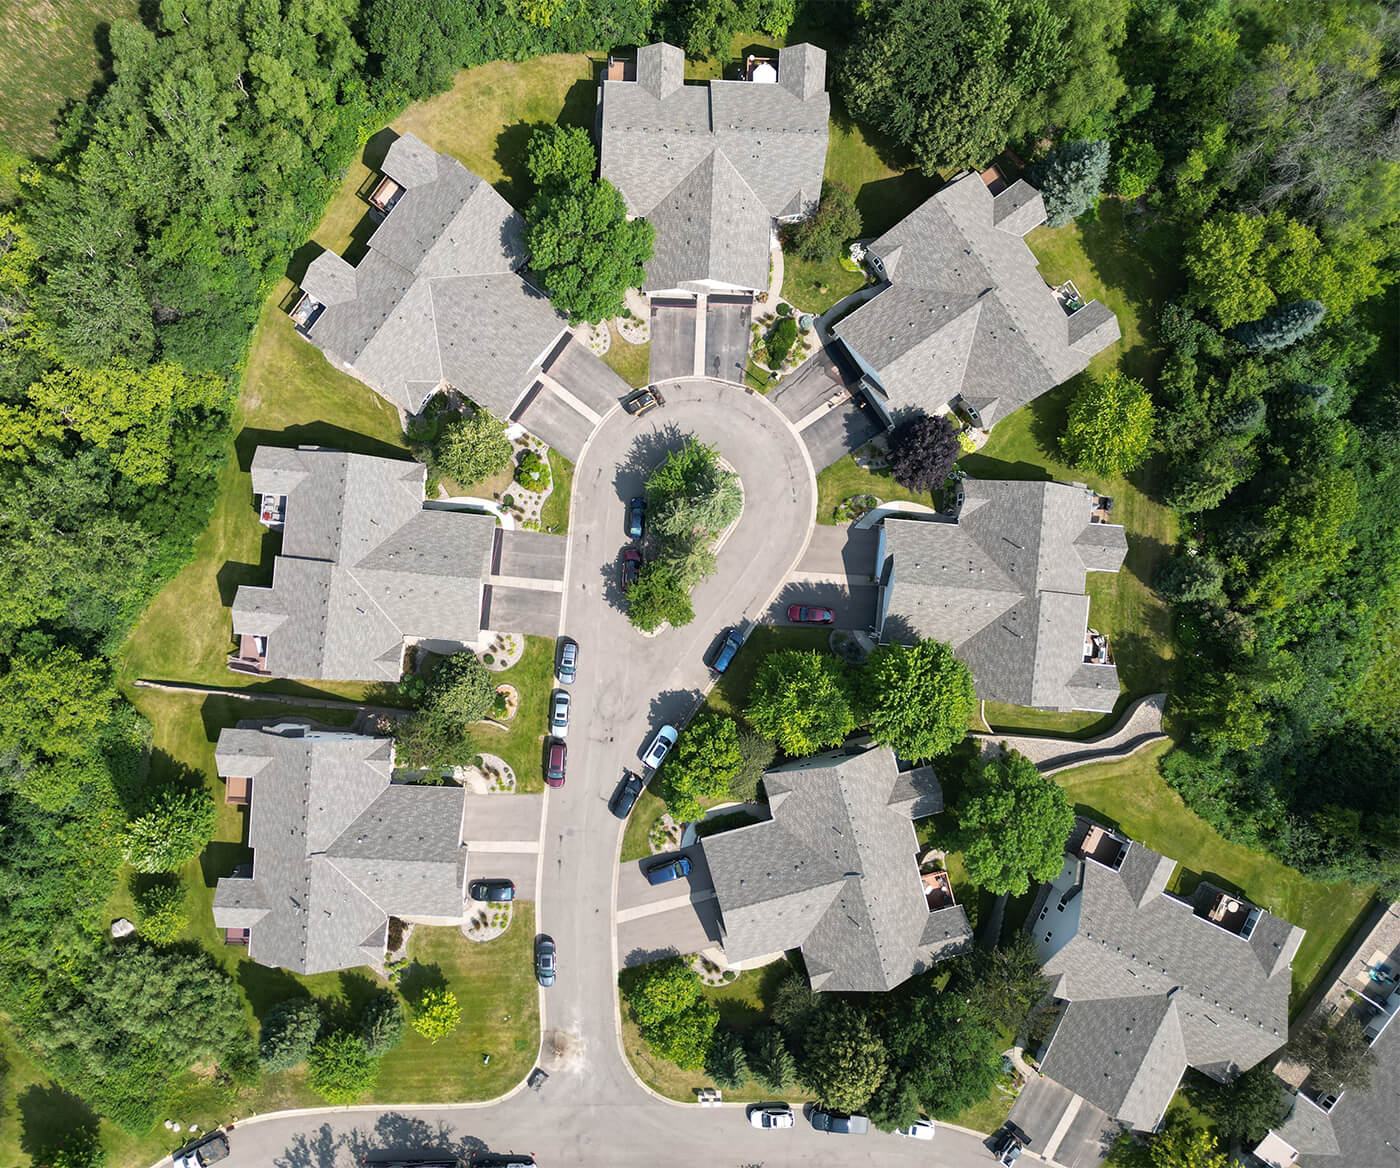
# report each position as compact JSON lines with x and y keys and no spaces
{"x":1261,"y":136}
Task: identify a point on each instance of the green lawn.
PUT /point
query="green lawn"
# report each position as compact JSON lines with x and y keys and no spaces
{"x":1133,"y":796}
{"x":49,"y":55}
{"x":803,"y":282}
{"x":636,"y":835}
{"x":523,"y":744}
{"x":842,"y":479}
{"x":288,"y":391}
{"x":1004,"y":719}
{"x":731,"y":692}
{"x":632,"y":363}
{"x":554,"y":515}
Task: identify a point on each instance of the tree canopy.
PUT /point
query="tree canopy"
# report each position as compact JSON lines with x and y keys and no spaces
{"x":917,"y":699}
{"x":801,"y":700}
{"x":1110,"y":424}
{"x":705,"y":760}
{"x":843,"y":1058}
{"x":923,"y":450}
{"x":1012,"y":825}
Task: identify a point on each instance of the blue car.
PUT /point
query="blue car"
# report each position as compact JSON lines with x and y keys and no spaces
{"x":732,"y":644}
{"x":636,"y":517}
{"x":668,"y":870}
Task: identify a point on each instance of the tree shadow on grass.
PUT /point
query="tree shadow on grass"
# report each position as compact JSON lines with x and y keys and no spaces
{"x":265,"y":986}
{"x":512,"y":148}
{"x":356,"y":991}
{"x":49,"y":1116}
{"x":421,"y":978}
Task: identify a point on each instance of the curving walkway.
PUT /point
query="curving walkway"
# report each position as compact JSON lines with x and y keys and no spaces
{"x":1140,"y":725}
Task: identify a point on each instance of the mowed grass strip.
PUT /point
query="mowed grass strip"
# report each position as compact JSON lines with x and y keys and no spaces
{"x":1133,"y":796}
{"x":522,"y":745}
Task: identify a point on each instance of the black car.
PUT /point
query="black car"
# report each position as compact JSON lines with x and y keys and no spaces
{"x":200,"y":1153}
{"x":544,"y":960}
{"x":636,"y":517}
{"x":492,"y":891}
{"x":838,"y":1123}
{"x":502,"y":1160}
{"x":1007,"y":1148}
{"x":626,"y":796}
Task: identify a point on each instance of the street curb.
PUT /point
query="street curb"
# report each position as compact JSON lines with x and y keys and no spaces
{"x":573,"y":506}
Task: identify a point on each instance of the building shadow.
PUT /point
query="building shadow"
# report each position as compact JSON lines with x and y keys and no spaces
{"x":325,"y":434}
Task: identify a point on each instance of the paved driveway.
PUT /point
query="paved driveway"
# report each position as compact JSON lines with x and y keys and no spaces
{"x":550,"y":417}
{"x":529,"y":555}
{"x":816,"y":381}
{"x":1062,"y":1126}
{"x":532,"y":611}
{"x":586,"y":378}
{"x":672,"y":338}
{"x":727,"y":321}
{"x":841,"y":430}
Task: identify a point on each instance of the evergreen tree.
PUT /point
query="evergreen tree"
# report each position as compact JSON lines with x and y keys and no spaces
{"x":1284,"y":326}
{"x":1070,"y":179}
{"x":289,"y":1031}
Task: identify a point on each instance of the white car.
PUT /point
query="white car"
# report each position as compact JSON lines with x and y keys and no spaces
{"x":660,"y":746}
{"x":771,"y":1116}
{"x":559,"y":714}
{"x":922,"y":1130}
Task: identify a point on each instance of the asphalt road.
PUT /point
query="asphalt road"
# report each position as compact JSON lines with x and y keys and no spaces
{"x":591,"y":1111}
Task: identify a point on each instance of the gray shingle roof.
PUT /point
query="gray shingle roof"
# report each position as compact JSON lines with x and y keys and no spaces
{"x":963,"y":248}
{"x":1004,"y":585}
{"x":363,"y":566}
{"x":710,"y":228}
{"x":337,"y":850}
{"x":1125,"y":953}
{"x":834,"y":872}
{"x":765,"y":146}
{"x":438,"y":296}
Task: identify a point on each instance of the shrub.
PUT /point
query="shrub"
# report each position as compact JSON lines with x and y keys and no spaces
{"x":780,"y":341}
{"x":382,"y":1023}
{"x":437,"y":1014}
{"x":288,"y":1033}
{"x":726,"y":1062}
{"x":532,"y":471}
{"x":173,"y":831}
{"x":824,"y":233}
{"x":1136,"y":168}
{"x":160,"y":912}
{"x":340,"y":1069}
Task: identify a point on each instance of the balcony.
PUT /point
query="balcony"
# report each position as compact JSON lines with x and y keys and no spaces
{"x":1103,"y":847}
{"x":251,"y":656}
{"x":1097,"y":650}
{"x":385,"y":195}
{"x":272,"y":511}
{"x":305,"y":311}
{"x":1068,"y":297}
{"x":938,"y":890}
{"x":1102,"y":510}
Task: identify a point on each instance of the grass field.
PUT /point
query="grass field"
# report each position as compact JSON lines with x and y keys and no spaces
{"x":632,"y":363}
{"x":523,"y":744}
{"x":51,"y":52}
{"x":1133,"y":796}
{"x":804,"y":280}
{"x":842,"y":479}
{"x":554,"y":515}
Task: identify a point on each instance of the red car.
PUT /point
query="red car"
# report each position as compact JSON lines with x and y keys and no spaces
{"x":802,"y":615}
{"x":554,"y":767}
{"x":631,"y":567}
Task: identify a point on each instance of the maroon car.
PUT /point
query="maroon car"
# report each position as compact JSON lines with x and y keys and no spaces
{"x":631,"y":567}
{"x":800,"y":614}
{"x":554,"y":766}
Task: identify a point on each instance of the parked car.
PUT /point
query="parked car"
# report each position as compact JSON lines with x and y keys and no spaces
{"x":492,"y":891}
{"x":555,"y":760}
{"x":802,"y":615}
{"x":502,"y":1160}
{"x":1007,"y":1148}
{"x":770,"y":1115}
{"x":544,"y":960}
{"x":568,"y":663}
{"x":664,"y":871}
{"x":636,"y":517}
{"x":631,"y":567}
{"x":644,"y":399}
{"x":200,"y":1153}
{"x":559,"y":714}
{"x":418,"y":1162}
{"x":921,"y":1129}
{"x":733,"y":642}
{"x":660,"y":746}
{"x":626,"y":796}
{"x":838,"y":1123}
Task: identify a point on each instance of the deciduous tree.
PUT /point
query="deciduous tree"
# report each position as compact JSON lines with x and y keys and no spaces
{"x":823,"y":235}
{"x":704,"y":761}
{"x":1110,"y":424}
{"x":340,"y":1070}
{"x":1246,"y":1109}
{"x":561,"y":156}
{"x":923,"y":450}
{"x":843,"y":1058}
{"x":658,"y":597}
{"x":802,"y":701}
{"x":436,"y":1014}
{"x":1012,"y":824}
{"x":471,"y":448}
{"x":917,"y":699}
{"x":173,"y":830}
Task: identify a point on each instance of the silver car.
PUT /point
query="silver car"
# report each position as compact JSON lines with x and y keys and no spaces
{"x":559,"y":714}
{"x":660,"y":746}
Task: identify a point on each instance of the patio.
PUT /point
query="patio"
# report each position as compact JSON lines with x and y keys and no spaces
{"x":251,"y":656}
{"x":1069,"y":298}
{"x":1097,"y":650}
